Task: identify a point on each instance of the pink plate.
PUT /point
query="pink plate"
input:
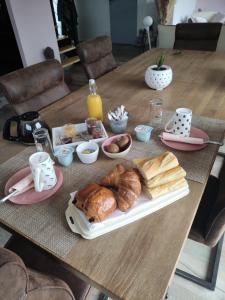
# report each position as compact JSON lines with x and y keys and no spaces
{"x":30,"y":196}
{"x":195,"y":132}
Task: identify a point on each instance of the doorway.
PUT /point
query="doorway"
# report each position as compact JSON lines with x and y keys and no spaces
{"x":123,"y":21}
{"x":10,"y":59}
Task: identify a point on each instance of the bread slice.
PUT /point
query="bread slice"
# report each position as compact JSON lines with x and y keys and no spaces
{"x":165,"y":188}
{"x":151,"y":167}
{"x":165,"y":177}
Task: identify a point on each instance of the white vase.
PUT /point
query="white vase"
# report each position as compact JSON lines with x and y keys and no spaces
{"x":158,"y":79}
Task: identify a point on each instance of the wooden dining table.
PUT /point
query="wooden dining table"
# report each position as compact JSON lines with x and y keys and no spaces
{"x":138,"y":261}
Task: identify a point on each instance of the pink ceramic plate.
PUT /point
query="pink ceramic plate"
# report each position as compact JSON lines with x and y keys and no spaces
{"x":30,"y":196}
{"x":195,"y":132}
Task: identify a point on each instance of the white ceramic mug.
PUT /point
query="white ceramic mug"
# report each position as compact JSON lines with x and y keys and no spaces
{"x":180,"y":123}
{"x":43,"y":171}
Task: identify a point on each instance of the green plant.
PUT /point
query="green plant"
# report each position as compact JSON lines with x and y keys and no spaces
{"x":160,"y":62}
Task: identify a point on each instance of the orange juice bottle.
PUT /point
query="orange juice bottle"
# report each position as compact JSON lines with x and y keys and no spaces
{"x":94,"y":102}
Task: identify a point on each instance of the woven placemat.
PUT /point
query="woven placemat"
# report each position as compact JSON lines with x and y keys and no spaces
{"x":197,"y":164}
{"x":45,"y":222}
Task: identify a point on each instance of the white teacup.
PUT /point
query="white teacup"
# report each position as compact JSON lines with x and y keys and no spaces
{"x":43,"y":171}
{"x":180,"y":123}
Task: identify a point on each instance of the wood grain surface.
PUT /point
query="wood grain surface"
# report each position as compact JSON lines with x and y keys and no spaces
{"x":138,"y":260}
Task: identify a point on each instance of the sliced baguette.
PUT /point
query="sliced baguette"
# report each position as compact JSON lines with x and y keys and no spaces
{"x":165,"y":177}
{"x":150,"y":167}
{"x":165,"y":188}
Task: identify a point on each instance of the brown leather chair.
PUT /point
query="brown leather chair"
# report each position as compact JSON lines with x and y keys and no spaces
{"x":197,"y":36}
{"x":34,"y":87}
{"x":18,"y":282}
{"x":209,"y":226}
{"x":96,"y":56}
{"x":15,"y":279}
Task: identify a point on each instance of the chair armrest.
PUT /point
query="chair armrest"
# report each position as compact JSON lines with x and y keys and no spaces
{"x":13,"y":276}
{"x":43,"y":287}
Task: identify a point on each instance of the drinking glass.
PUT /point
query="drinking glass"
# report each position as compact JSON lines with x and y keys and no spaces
{"x":42,"y":141}
{"x":156,"y":111}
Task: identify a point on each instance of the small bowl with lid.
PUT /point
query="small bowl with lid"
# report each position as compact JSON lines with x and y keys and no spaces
{"x":143,"y":133}
{"x":65,"y":155}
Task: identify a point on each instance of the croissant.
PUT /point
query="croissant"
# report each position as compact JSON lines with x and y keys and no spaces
{"x":127,"y":184}
{"x":129,"y":189}
{"x":96,"y":202}
{"x":112,"y":178}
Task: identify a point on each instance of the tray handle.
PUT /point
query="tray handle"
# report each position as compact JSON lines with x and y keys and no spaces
{"x":71,"y":222}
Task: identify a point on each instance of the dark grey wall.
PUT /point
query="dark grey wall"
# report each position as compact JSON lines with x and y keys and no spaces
{"x":123,"y":20}
{"x":93,"y":18}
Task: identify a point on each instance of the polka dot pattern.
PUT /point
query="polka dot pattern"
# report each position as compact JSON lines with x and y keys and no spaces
{"x":182,"y":124}
{"x":158,"y":80}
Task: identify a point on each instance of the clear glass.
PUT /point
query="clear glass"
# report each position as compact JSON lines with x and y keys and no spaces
{"x":156,"y":112}
{"x":43,"y":141}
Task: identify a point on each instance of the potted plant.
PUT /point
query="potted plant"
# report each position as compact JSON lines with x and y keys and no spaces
{"x":159,"y":75}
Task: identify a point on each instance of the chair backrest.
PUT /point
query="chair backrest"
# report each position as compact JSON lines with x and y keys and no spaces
{"x":96,"y":56}
{"x":18,"y":282}
{"x":34,"y":87}
{"x":166,"y":36}
{"x":197,"y":36}
{"x":36,"y":258}
{"x":215,"y":226}
{"x":221,"y":41}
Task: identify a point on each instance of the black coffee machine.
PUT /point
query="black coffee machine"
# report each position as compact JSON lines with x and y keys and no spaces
{"x":25,"y":125}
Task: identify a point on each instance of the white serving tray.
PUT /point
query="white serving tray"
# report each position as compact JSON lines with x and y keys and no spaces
{"x":57,"y":132}
{"x":78,"y":223}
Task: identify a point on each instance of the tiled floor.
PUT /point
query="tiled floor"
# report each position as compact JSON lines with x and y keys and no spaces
{"x":194,"y":259}
{"x":4,"y":236}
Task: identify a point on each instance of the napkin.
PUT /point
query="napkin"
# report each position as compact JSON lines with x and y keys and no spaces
{"x":23,"y":185}
{"x":177,"y":138}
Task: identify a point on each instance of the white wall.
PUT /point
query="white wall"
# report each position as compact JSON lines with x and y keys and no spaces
{"x":33,"y":26}
{"x":213,"y":5}
{"x":93,"y":18}
{"x":183,"y":9}
{"x":146,"y":8}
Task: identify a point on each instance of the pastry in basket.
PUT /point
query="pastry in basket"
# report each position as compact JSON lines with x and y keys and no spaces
{"x":96,"y":202}
{"x":127,"y":183}
{"x":150,"y":167}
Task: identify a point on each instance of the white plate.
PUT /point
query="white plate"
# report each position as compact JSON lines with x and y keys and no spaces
{"x":78,"y":223}
{"x":58,"y":132}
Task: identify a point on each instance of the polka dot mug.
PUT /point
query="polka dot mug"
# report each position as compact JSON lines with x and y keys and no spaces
{"x":180,"y":123}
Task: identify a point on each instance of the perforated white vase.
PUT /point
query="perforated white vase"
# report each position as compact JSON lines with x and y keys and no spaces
{"x":157,"y":79}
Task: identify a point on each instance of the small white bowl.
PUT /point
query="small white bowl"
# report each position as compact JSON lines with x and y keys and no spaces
{"x":88,"y":158}
{"x":112,"y":140}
